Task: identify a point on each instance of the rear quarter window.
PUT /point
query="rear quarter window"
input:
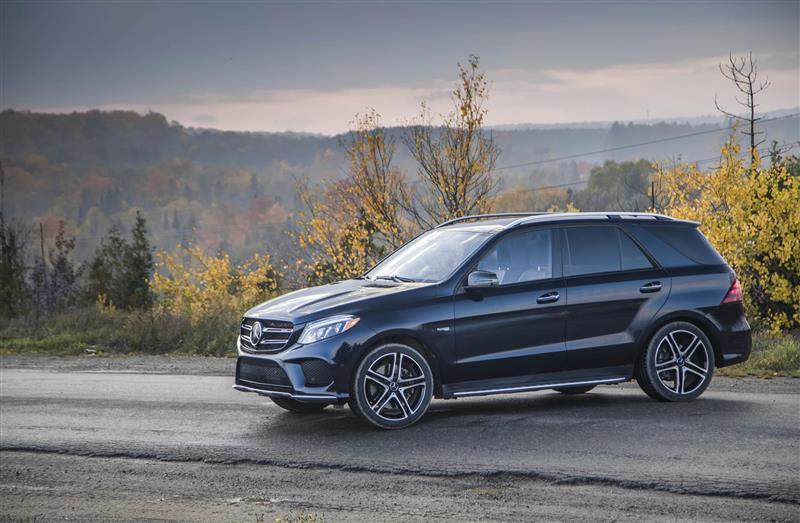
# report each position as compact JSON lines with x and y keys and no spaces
{"x":688,"y":241}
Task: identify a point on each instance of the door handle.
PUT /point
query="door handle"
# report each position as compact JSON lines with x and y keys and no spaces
{"x":548,"y":297}
{"x":653,"y":286}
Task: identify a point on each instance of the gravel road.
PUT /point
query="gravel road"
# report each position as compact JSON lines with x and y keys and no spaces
{"x":168,"y":439}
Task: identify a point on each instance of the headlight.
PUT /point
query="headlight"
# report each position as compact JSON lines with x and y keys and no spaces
{"x":325,"y":328}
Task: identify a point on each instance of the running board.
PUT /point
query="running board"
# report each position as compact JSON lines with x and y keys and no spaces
{"x":526,"y":388}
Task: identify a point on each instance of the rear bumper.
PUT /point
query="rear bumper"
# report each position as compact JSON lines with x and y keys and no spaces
{"x":735,"y":347}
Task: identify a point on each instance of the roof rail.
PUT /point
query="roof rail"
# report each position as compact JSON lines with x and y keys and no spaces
{"x":592,"y":214}
{"x":489,"y":216}
{"x":619,"y":215}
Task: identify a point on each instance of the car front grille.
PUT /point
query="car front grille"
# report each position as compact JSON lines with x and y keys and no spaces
{"x":274,"y":335}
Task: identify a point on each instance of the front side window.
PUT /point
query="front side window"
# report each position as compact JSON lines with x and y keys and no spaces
{"x":431,"y":257}
{"x":521,"y":257}
{"x":592,"y":250}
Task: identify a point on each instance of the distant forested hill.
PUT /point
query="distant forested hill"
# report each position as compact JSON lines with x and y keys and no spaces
{"x":236,"y":190}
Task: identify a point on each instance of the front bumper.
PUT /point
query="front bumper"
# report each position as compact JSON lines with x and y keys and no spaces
{"x":317,"y":372}
{"x":271,"y":377}
{"x":311,"y":398}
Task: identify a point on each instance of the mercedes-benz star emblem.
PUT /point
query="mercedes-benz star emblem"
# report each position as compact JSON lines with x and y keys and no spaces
{"x":255,"y":333}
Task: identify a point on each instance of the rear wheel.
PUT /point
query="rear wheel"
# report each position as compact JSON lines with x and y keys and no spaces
{"x":575,"y":390}
{"x":677,"y":364}
{"x":298,"y":407}
{"x":392,"y":386}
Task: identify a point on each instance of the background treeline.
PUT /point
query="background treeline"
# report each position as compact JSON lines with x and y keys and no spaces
{"x":236,"y":192}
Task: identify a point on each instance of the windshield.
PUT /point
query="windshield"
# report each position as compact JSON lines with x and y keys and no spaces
{"x":431,"y":257}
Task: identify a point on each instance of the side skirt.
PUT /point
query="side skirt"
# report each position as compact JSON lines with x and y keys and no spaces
{"x":526,"y":388}
{"x":507,"y":385}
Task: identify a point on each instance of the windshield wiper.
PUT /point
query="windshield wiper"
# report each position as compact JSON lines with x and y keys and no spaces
{"x":395,"y":277}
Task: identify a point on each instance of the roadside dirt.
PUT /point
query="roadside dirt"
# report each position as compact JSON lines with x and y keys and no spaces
{"x":44,"y":487}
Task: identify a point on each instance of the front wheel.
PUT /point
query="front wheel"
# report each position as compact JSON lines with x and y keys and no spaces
{"x":677,"y":364}
{"x":298,"y":407}
{"x":392,"y":386}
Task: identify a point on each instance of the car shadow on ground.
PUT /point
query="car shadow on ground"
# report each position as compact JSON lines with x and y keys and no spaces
{"x":555,"y":408}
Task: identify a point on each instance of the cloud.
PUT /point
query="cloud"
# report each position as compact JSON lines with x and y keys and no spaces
{"x":204,"y":118}
{"x":620,"y":92}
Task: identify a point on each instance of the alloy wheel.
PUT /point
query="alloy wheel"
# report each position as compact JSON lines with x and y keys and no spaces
{"x":395,"y":386}
{"x":681,"y":362}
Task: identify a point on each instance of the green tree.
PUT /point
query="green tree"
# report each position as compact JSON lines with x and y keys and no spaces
{"x":54,"y":280}
{"x":13,"y":290}
{"x":614,"y":186}
{"x":119,"y":272}
{"x":139,"y":266}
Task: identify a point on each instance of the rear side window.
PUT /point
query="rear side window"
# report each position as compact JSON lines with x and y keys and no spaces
{"x":632,"y":256}
{"x":688,"y":241}
{"x":592,"y":250}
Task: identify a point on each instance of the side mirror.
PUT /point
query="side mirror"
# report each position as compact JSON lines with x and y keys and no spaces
{"x":481,"y":279}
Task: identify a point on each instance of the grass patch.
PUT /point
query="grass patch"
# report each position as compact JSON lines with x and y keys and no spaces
{"x":773,"y":355}
{"x":108,"y":332}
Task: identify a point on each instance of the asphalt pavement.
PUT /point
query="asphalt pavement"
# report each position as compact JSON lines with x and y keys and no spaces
{"x":94,"y":441}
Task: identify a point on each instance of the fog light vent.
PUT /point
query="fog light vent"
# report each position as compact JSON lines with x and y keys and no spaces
{"x":317,"y":373}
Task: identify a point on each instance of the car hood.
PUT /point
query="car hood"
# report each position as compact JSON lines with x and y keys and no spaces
{"x":336,"y":298}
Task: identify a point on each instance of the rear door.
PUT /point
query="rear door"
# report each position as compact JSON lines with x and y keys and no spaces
{"x":516,"y":328}
{"x":613,"y":291}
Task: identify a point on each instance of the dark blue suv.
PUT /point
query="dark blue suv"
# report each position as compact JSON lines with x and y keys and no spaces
{"x":496,"y":304}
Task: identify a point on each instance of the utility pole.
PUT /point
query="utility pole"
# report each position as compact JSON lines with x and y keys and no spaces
{"x":653,"y":194}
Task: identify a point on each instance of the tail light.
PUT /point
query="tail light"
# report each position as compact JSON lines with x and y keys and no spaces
{"x":734,"y":293}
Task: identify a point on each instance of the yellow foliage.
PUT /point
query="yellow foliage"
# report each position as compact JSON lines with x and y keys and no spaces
{"x":191,"y":283}
{"x":752,"y":217}
{"x":338,"y":240}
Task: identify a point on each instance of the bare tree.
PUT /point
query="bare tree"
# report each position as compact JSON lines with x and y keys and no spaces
{"x":456,"y":159}
{"x":743,"y":72}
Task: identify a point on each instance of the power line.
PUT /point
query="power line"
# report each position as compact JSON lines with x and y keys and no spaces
{"x":791,"y":145}
{"x":640,"y":144}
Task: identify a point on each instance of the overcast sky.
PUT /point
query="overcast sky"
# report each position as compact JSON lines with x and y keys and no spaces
{"x":311,"y":66}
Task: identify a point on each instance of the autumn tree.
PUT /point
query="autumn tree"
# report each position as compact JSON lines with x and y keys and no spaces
{"x":337,"y":238}
{"x":377,"y":186}
{"x":455,"y":159}
{"x":742,"y":71}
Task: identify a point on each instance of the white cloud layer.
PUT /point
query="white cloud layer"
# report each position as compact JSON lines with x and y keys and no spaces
{"x":622,"y":92}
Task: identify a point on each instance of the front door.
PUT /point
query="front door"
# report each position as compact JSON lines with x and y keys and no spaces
{"x":517,"y":327}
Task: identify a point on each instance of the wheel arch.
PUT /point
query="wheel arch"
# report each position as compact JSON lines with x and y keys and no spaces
{"x":695,"y":318}
{"x":413,"y":342}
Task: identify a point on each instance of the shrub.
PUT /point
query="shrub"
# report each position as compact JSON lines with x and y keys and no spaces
{"x":752,"y":217}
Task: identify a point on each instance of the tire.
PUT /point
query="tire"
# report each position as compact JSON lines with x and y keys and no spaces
{"x":677,"y":364}
{"x":575,"y":390}
{"x":392,"y":386}
{"x":298,"y":407}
